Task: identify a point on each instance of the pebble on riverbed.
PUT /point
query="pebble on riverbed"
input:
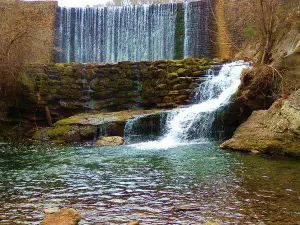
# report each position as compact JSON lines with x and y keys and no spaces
{"x":134,"y":223}
{"x":62,"y":217}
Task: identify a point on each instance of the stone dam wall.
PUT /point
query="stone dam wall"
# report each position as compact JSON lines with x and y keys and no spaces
{"x":71,"y":88}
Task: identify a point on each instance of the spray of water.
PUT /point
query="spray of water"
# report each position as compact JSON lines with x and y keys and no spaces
{"x":194,"y":123}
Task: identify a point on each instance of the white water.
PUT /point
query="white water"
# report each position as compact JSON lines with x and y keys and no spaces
{"x":115,"y":34}
{"x":194,"y":124}
{"x":132,"y":32}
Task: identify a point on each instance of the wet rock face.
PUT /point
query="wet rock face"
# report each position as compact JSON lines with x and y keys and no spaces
{"x":62,"y":217}
{"x":276,"y":130}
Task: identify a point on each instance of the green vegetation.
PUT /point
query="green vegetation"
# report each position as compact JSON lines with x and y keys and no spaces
{"x":249,"y":31}
{"x":179,"y":33}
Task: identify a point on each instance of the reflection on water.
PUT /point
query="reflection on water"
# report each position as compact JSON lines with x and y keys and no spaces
{"x":120,"y":184}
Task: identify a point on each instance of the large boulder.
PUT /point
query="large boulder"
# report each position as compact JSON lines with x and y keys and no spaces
{"x":276,"y":130}
{"x":62,"y":217}
{"x":111,"y":141}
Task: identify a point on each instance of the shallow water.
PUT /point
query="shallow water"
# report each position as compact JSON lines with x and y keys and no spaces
{"x":115,"y":185}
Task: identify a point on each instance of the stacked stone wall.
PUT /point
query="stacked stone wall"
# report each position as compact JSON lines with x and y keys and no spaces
{"x":68,"y":89}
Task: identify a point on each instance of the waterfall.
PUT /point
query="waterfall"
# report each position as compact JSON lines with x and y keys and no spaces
{"x":114,"y":34}
{"x":144,"y":127}
{"x":194,"y":123}
{"x":133,"y":32}
{"x":197,"y":26}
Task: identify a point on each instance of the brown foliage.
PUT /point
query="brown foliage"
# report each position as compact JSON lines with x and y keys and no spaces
{"x":269,"y":19}
{"x":26,"y":37}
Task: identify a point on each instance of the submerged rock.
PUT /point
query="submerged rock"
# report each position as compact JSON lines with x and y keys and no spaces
{"x":276,"y":130}
{"x":63,"y":217}
{"x":111,"y":141}
{"x":134,"y":223}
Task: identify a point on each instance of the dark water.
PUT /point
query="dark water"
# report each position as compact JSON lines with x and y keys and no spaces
{"x":117,"y":185}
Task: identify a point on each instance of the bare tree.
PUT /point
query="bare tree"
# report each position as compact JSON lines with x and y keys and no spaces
{"x":26,"y":37}
{"x":263,"y":20}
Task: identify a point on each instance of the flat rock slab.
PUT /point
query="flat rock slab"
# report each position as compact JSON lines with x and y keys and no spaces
{"x":101,"y":118}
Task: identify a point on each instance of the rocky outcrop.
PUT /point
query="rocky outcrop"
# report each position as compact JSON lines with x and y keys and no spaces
{"x":110,"y":141}
{"x":62,"y":217}
{"x":88,"y":126}
{"x":276,"y":130}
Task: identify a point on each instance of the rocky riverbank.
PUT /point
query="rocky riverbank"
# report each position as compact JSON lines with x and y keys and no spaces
{"x":276,"y":130}
{"x":54,"y":92}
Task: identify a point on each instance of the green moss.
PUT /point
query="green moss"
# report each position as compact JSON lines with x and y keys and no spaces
{"x":181,"y":70}
{"x":172,"y":76}
{"x":28,"y":82}
{"x":90,"y":74}
{"x":179,"y":33}
{"x":59,"y":131}
{"x":68,"y":71}
{"x":70,"y":120}
{"x":60,"y":67}
{"x":162,"y":86}
{"x":204,"y":67}
{"x":249,"y":31}
{"x":78,"y":74}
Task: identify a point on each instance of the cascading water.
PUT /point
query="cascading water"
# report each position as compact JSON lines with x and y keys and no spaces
{"x":197,"y":27}
{"x":194,"y":123}
{"x":133,"y":32}
{"x":114,"y":34}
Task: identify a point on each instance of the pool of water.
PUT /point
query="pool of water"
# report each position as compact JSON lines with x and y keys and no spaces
{"x":115,"y":185}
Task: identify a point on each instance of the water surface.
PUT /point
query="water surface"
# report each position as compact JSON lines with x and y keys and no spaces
{"x":114,"y":185}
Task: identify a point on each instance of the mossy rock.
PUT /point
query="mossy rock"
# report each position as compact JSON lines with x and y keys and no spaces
{"x":198,"y":73}
{"x":166,"y":105}
{"x":163,"y":75}
{"x":168,"y":99}
{"x":172,"y":76}
{"x":68,"y":71}
{"x":163,"y":93}
{"x":90,"y":73}
{"x":175,"y":92}
{"x":102,"y":94}
{"x":126,"y":93}
{"x":59,"y":131}
{"x":78,"y":74}
{"x":180,"y":86}
{"x":103,"y":71}
{"x":184,"y":72}
{"x":180,"y":99}
{"x":67,"y":80}
{"x":185,"y":91}
{"x":162,"y":86}
{"x":122,"y":84}
{"x":73,"y":94}
{"x":52,"y":133}
{"x":60,"y":67}
{"x":204,"y":68}
{"x":174,"y":81}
